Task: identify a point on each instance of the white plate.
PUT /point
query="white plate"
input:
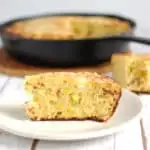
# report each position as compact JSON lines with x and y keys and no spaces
{"x":13,"y":120}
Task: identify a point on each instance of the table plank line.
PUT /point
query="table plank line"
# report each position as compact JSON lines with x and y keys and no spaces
{"x":4,"y":84}
{"x":114,"y":144}
{"x":144,"y":139}
{"x":34,"y":144}
{"x":9,"y":141}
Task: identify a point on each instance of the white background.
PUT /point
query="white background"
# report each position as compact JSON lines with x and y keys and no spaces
{"x":139,"y":10}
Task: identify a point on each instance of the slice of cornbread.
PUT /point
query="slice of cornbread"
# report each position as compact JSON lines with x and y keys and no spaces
{"x":71,"y":96}
{"x":132,"y":71}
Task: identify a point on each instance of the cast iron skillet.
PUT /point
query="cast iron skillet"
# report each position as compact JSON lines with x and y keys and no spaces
{"x":66,"y":53}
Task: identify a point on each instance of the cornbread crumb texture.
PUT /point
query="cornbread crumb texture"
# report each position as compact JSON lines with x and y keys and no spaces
{"x":65,"y":96}
{"x":132,"y":71}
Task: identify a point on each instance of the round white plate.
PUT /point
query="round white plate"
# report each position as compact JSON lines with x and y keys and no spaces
{"x":13,"y":120}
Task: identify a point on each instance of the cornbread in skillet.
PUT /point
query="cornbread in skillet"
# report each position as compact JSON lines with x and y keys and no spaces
{"x":132,"y":71}
{"x":71,"y":96}
{"x":67,"y":27}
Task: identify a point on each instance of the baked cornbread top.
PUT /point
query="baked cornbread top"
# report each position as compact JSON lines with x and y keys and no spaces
{"x":143,"y":56}
{"x":88,"y":76}
{"x":79,"y":78}
{"x":67,"y":27}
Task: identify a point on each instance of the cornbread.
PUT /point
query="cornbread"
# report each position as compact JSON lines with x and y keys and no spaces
{"x":71,"y":96}
{"x":67,"y":27}
{"x":132,"y":71}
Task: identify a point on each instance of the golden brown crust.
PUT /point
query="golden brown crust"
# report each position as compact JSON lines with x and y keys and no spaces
{"x":89,"y":75}
{"x":138,"y":55}
{"x":141,"y":91}
{"x":72,"y":119}
{"x":66,"y":27}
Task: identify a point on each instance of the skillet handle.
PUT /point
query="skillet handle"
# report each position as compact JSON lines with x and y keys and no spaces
{"x":136,"y":39}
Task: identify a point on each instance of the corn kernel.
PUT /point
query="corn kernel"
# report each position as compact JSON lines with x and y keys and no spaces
{"x":69,"y":110}
{"x":35,"y":99}
{"x":59,"y":106}
{"x":75,"y":99}
{"x":67,"y":91}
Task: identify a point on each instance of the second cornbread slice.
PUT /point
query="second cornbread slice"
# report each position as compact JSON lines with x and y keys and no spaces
{"x":132,"y":71}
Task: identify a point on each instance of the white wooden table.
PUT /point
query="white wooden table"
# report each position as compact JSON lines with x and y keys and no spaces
{"x":131,"y":139}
